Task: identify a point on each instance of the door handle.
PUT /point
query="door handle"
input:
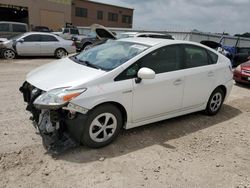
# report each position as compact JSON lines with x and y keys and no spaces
{"x":210,"y":74}
{"x":178,"y":82}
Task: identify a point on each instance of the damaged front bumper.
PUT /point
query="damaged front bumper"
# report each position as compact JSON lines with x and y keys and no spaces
{"x":60,"y":128}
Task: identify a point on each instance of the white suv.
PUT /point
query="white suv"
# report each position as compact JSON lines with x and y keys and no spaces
{"x":125,"y":83}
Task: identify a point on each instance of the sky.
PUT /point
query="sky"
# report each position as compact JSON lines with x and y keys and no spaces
{"x":217,"y":16}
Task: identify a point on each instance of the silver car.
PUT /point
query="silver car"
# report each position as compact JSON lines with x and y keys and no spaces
{"x":36,"y":44}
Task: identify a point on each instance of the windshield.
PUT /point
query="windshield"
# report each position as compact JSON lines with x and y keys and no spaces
{"x":110,"y":55}
{"x":92,"y":34}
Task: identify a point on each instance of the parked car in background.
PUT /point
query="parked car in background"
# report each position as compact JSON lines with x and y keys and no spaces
{"x":126,"y":83}
{"x":142,"y":34}
{"x":41,"y":29}
{"x":36,"y":44}
{"x":242,"y":73}
{"x":98,"y":35}
{"x":70,"y":33}
{"x":241,"y":55}
{"x":10,"y":29}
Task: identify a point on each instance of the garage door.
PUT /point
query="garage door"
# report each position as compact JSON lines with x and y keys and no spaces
{"x":51,"y":19}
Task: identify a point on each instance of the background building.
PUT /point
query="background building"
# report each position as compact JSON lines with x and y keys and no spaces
{"x":56,"y":13}
{"x":85,"y":13}
{"x":51,"y":13}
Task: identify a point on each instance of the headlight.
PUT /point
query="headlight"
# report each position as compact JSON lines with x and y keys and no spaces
{"x":238,"y":68}
{"x":56,"y":98}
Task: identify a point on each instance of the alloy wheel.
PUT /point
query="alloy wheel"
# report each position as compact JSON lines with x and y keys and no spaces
{"x":216,"y":102}
{"x":9,"y":54}
{"x":60,"y":53}
{"x":103,"y":127}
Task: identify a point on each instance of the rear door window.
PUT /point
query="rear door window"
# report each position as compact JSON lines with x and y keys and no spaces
{"x":18,"y":28}
{"x":48,"y":38}
{"x":4,"y":27}
{"x":195,"y":56}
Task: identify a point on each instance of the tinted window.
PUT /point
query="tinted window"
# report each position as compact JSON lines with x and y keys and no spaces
{"x":48,"y":38}
{"x":66,"y":31}
{"x":74,"y":31}
{"x":165,"y":59}
{"x":32,"y":38}
{"x":195,"y":56}
{"x":18,"y":28}
{"x":4,"y":27}
{"x":213,"y":57}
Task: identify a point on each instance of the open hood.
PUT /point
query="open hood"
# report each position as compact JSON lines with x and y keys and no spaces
{"x":62,"y":73}
{"x":102,"y":32}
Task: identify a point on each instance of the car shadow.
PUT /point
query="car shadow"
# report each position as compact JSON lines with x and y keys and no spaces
{"x":152,"y":134}
{"x":245,"y":86}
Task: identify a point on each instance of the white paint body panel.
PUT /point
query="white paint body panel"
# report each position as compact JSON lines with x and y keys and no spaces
{"x":167,"y":95}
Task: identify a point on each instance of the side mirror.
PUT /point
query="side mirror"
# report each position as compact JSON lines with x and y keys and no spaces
{"x":21,"y":40}
{"x":145,"y":73}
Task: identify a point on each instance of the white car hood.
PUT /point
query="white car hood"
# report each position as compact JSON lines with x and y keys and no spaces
{"x":62,"y":73}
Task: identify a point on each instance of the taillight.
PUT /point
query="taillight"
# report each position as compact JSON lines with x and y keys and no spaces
{"x":73,"y":44}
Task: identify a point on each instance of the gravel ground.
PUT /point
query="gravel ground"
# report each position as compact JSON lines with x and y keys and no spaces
{"x":189,"y":151}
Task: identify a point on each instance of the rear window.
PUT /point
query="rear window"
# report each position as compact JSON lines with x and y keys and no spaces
{"x":19,"y":28}
{"x":4,"y":27}
{"x":212,"y":57}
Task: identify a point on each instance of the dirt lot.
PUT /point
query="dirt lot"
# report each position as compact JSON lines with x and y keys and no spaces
{"x":189,"y":151}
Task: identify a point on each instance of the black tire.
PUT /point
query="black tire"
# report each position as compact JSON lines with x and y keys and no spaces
{"x":8,"y":54}
{"x":215,"y":102}
{"x":86,"y":46}
{"x":60,"y":53}
{"x":90,"y":127}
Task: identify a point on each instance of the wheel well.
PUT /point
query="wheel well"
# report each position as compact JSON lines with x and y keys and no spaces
{"x":120,"y":107}
{"x":60,"y":48}
{"x":224,"y":89}
{"x":85,"y":44}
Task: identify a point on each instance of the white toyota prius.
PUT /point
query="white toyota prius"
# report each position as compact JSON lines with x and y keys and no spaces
{"x":126,"y":83}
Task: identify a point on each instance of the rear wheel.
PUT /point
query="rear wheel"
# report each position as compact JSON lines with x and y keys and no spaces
{"x":215,"y":102}
{"x":8,"y":54}
{"x":102,"y":126}
{"x":60,"y":53}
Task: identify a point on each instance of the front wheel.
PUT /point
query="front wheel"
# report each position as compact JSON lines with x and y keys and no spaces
{"x":102,"y":126}
{"x":9,"y":54}
{"x":215,"y":102}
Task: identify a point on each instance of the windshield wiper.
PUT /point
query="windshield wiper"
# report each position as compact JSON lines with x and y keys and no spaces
{"x":87,"y":63}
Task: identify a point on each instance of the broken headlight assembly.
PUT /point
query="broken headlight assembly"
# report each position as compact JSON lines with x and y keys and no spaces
{"x":56,"y":98}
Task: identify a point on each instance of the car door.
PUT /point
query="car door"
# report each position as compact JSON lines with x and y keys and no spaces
{"x":48,"y":44}
{"x":163,"y":94}
{"x":29,"y":45}
{"x":200,"y":71}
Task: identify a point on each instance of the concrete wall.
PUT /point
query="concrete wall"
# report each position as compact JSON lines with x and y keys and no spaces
{"x":93,"y":7}
{"x":35,"y":7}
